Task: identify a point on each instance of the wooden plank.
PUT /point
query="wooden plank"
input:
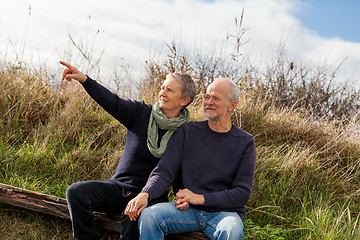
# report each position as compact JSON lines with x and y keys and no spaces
{"x":57,"y":206}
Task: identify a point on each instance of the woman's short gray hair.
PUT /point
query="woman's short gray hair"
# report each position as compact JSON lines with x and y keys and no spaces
{"x":188,"y":86}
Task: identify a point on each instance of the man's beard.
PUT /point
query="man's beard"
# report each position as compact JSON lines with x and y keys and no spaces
{"x":216,"y":117}
{"x":209,"y":116}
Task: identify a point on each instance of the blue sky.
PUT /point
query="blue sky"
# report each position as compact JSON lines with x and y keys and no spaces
{"x":128,"y":32}
{"x":332,"y":18}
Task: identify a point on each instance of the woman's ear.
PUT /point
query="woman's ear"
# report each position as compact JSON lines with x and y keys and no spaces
{"x":185,"y":101}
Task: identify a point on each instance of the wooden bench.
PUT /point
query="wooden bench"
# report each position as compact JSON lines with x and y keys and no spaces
{"x":57,"y":206}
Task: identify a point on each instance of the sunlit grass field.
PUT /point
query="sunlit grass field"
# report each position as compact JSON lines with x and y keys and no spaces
{"x":307,"y":177}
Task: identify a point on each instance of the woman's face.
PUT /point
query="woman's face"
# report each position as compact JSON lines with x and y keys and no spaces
{"x":170,"y":98}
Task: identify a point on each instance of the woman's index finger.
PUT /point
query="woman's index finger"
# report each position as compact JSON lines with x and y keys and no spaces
{"x":66,"y":64}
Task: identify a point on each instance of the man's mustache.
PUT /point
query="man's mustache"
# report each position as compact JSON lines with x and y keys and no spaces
{"x":209,"y":108}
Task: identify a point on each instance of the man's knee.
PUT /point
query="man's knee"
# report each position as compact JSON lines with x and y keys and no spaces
{"x":152,"y":217}
{"x":230,"y":228}
{"x":147,"y":216}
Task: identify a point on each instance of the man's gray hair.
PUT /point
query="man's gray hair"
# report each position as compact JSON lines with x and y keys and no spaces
{"x":188,"y":86}
{"x":234,"y":93}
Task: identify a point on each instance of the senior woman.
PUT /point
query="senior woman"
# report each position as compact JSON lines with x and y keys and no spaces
{"x":148,"y":131}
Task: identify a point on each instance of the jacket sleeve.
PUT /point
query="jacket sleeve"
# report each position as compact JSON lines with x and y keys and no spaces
{"x":168,"y":168}
{"x":122,"y":110}
{"x":239,"y":193}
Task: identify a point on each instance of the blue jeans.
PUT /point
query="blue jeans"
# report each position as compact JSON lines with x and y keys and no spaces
{"x":164,"y":218}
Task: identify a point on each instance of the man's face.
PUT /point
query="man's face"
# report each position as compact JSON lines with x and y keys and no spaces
{"x":216,"y":100}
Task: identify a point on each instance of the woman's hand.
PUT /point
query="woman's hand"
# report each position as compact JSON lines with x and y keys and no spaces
{"x":72,"y":73}
{"x":136,"y":205}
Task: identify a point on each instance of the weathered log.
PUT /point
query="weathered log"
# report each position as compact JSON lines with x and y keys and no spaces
{"x":187,"y":236}
{"x":34,"y":201}
{"x":47,"y":204}
{"x":57,"y":206}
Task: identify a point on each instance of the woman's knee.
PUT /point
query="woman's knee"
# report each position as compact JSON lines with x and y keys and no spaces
{"x":71,"y":191}
{"x":76,"y":190}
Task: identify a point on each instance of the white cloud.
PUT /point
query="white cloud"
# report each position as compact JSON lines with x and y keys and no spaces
{"x":129,"y":28}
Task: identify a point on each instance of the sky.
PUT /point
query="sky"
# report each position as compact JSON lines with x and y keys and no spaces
{"x":129,"y":32}
{"x":332,"y":18}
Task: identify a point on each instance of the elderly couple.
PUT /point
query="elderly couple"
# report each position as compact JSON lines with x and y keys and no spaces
{"x":210,"y":165}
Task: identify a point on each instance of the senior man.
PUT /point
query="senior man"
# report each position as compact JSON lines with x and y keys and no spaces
{"x":212,"y":165}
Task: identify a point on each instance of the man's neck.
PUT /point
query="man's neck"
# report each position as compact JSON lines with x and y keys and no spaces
{"x":220,"y":125}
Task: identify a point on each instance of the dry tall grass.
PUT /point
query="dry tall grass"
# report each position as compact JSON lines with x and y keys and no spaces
{"x":308,"y":168}
{"x":306,"y":131}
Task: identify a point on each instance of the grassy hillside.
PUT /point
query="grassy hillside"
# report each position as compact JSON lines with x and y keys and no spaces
{"x":307,"y":177}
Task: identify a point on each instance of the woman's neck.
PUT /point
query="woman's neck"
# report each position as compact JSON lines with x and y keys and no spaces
{"x":171,"y":113}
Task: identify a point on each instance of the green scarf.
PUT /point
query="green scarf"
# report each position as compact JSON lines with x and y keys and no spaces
{"x":159,"y":120}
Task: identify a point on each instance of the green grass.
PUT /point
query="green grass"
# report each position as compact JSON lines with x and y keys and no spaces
{"x":307,"y":177}
{"x":17,"y":223}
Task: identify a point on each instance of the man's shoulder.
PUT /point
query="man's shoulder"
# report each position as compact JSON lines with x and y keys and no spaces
{"x":238,"y":132}
{"x":235,"y":131}
{"x":192,"y":127}
{"x":195,"y":124}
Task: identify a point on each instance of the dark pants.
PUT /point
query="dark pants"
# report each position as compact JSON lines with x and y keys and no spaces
{"x":88,"y":196}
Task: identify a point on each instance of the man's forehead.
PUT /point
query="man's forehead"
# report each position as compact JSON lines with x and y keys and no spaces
{"x":219,"y":87}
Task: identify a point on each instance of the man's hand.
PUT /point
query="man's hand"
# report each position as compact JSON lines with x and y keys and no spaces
{"x":184,"y":197}
{"x":72,"y":73}
{"x":136,"y":205}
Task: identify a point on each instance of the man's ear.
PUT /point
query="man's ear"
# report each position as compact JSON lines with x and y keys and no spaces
{"x":232,"y":106}
{"x":185,"y":101}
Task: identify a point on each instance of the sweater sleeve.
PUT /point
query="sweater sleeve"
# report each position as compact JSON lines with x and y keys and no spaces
{"x":122,"y":110}
{"x":239,"y":194}
{"x":165,"y":173}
